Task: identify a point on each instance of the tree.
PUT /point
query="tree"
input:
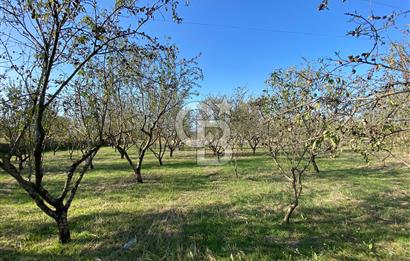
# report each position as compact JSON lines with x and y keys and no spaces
{"x":173,"y":141}
{"x":297,"y":105}
{"x":249,"y":123}
{"x":158,"y":86}
{"x":167,"y":135}
{"x":45,"y":47}
{"x":379,"y":119}
{"x":213,"y":120}
{"x":13,"y":116}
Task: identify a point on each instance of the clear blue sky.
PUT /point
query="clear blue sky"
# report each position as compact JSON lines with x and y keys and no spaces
{"x":234,"y":57}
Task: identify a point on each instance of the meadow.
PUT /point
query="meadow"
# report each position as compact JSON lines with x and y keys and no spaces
{"x":182,"y":211}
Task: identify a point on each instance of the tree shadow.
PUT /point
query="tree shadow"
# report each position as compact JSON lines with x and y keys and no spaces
{"x":248,"y":227}
{"x":222,"y":230}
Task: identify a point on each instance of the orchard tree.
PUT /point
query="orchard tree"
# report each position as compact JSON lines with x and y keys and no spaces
{"x":13,"y":118}
{"x":156,"y":87}
{"x":167,"y":135}
{"x":216,"y":113}
{"x":173,"y":141}
{"x":160,"y":146}
{"x":379,"y":121}
{"x":57,"y":137}
{"x":297,"y":104}
{"x":44,"y":47}
{"x":249,"y":123}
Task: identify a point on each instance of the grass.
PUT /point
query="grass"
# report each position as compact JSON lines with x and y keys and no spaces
{"x":183,"y":211}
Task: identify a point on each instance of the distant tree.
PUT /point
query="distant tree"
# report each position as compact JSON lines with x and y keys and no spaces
{"x":251,"y":122}
{"x":215,"y":110}
{"x":14,"y":112}
{"x":156,"y":88}
{"x":167,"y":135}
{"x":173,"y":141}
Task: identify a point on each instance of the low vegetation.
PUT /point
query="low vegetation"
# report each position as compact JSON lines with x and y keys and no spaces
{"x":350,"y":210}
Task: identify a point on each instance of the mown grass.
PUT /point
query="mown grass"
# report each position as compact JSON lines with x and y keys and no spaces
{"x":188,"y":212}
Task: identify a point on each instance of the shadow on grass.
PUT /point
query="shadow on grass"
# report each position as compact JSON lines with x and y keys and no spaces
{"x":247,"y":226}
{"x":233,"y":229}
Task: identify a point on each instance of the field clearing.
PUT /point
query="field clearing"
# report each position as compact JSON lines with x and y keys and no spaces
{"x":183,"y":211}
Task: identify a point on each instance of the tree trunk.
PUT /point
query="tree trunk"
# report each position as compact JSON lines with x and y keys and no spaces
{"x":254,"y":150}
{"x":291,"y":208}
{"x":315,"y":166}
{"x":122,"y":155}
{"x":63,"y":229}
{"x":236,"y":166}
{"x":136,"y":168}
{"x":297,"y":190}
{"x":138,"y":174}
{"x":160,"y":161}
{"x":171,"y":152}
{"x":91,"y":164}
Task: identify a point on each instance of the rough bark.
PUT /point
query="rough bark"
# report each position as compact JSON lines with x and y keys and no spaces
{"x":63,"y":228}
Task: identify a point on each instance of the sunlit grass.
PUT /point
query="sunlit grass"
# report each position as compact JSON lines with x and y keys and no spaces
{"x":185,"y":211}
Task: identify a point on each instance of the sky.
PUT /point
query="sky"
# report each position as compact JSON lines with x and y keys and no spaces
{"x":242,"y":41}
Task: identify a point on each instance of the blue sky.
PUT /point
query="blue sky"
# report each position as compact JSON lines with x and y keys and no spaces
{"x":234,"y":57}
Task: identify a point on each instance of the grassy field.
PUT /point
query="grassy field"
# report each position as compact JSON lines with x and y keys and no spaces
{"x":183,"y":211}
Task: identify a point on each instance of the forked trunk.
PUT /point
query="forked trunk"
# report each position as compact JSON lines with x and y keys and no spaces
{"x":136,"y":168}
{"x":63,"y":229}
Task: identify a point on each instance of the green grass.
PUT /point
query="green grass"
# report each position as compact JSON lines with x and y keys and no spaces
{"x":183,"y":211}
